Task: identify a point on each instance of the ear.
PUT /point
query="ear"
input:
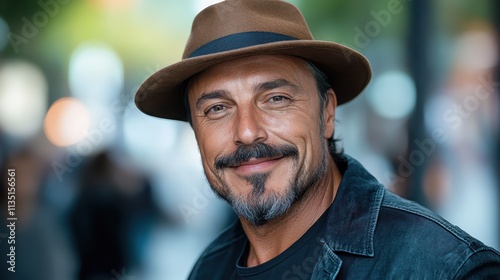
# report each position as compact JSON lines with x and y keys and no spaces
{"x":329,"y":114}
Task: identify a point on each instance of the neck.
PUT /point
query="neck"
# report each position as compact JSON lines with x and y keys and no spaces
{"x":270,"y":240}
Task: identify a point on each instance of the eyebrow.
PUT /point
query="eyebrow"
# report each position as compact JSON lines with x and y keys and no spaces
{"x":268,"y":85}
{"x":219,"y":93}
{"x":274,"y":84}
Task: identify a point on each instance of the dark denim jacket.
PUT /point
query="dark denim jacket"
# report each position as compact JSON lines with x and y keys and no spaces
{"x":371,"y":234}
{"x":374,"y":234}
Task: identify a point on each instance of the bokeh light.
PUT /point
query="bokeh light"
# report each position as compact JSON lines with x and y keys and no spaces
{"x":66,"y":122}
{"x":23,"y":98}
{"x":95,"y":74}
{"x":477,"y":50}
{"x":113,"y":4}
{"x":393,"y":95}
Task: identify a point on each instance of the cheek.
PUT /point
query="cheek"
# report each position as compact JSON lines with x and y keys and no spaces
{"x":211,"y":146}
{"x":304,"y":131}
{"x":207,"y":150}
{"x":301,"y":126}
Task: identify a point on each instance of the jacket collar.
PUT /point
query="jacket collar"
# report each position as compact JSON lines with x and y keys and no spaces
{"x":352,"y":217}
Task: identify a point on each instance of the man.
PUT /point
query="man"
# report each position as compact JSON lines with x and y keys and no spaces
{"x":261,"y":95}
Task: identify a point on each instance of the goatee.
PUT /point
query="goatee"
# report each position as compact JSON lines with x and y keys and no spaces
{"x":262,"y":205}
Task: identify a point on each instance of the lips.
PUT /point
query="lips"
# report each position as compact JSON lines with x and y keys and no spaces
{"x":256,"y":165}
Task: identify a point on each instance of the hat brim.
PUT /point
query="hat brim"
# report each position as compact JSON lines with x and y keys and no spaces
{"x":162,"y":94}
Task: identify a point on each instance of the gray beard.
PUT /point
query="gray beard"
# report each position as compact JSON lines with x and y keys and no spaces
{"x":259,"y":207}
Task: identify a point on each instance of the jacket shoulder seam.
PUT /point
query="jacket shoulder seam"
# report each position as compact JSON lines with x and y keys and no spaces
{"x":436,"y":219}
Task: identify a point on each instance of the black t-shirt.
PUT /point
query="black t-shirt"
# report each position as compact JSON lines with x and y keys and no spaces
{"x":226,"y":257}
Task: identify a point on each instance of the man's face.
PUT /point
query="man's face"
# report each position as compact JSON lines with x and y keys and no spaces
{"x":257,"y":123}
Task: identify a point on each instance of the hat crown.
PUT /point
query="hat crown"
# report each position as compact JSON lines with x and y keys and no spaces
{"x":243,"y":16}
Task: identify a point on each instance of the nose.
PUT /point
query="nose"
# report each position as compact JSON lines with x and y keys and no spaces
{"x":248,"y":127}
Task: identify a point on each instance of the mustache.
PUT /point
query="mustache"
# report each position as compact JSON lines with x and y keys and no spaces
{"x":259,"y":150}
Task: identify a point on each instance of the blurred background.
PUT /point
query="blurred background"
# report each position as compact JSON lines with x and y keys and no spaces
{"x":106,"y":192}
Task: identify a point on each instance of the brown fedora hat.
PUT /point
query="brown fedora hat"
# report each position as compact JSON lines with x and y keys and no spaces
{"x":237,"y":28}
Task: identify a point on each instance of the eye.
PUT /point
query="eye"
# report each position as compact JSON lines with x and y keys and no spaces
{"x":278,"y":99}
{"x":215,"y":110}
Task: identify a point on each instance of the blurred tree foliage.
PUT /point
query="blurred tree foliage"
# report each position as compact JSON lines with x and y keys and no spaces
{"x":454,"y":14}
{"x":328,"y":19}
{"x":14,"y":10}
{"x":336,"y":20}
